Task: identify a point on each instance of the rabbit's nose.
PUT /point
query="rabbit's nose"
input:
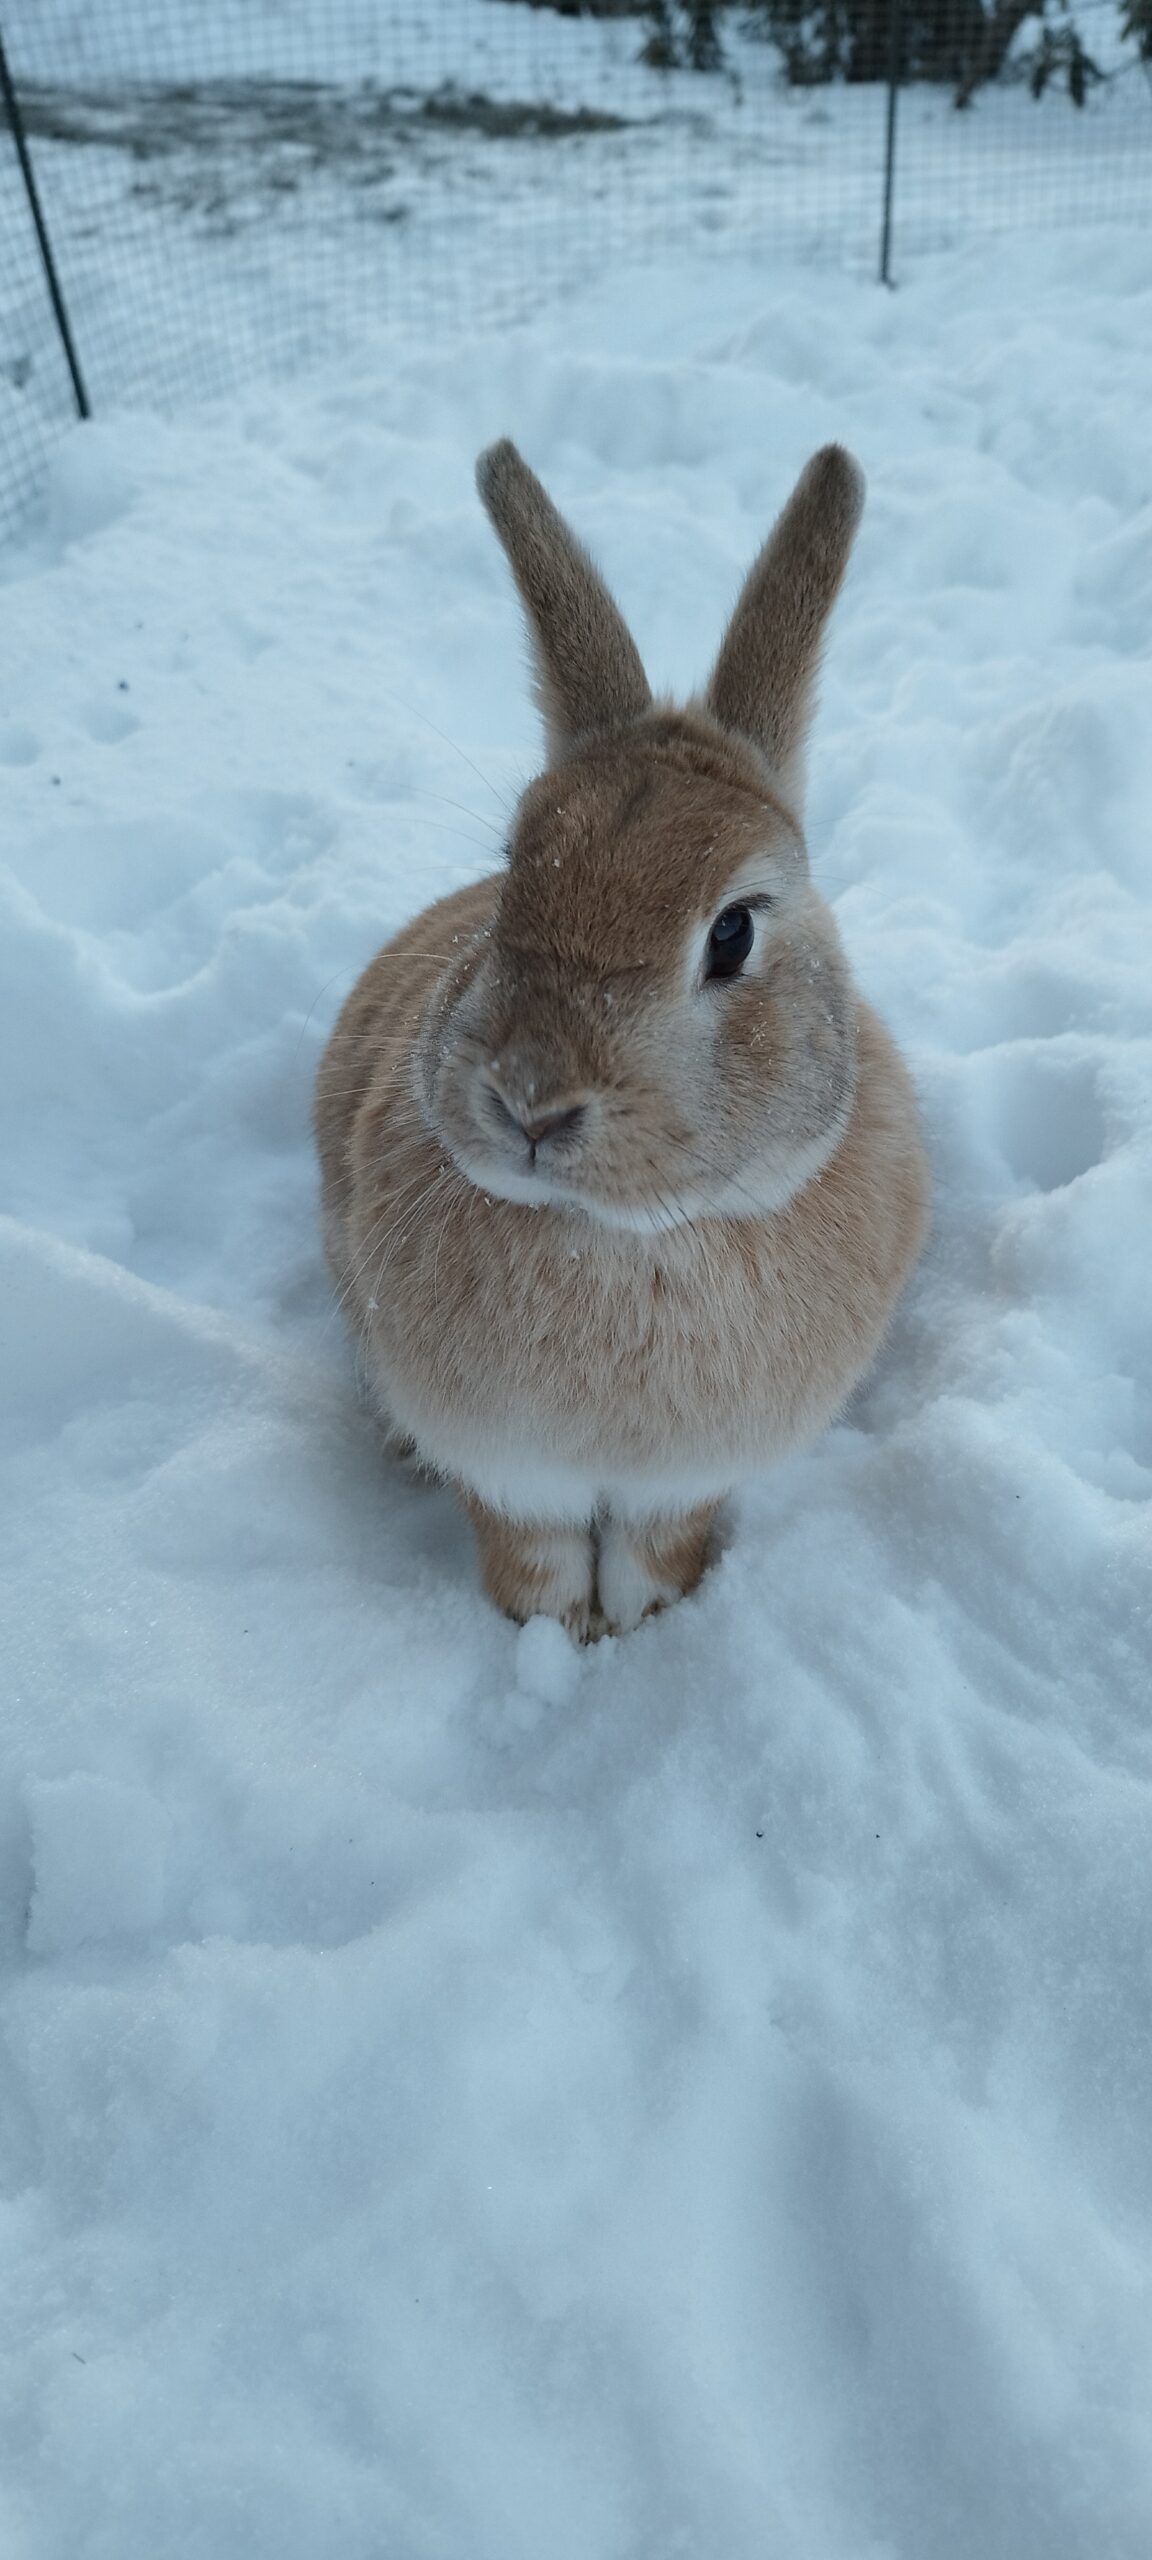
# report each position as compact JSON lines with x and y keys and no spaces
{"x":535,"y":1125}
{"x":552,"y":1124}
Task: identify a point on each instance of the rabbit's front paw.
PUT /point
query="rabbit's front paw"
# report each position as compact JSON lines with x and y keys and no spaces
{"x":644,"y":1565}
{"x":539,"y":1569}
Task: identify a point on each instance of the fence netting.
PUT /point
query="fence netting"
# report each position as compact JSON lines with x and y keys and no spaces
{"x":241,"y":186}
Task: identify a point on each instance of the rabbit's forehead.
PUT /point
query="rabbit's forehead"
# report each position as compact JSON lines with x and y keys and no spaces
{"x":639,"y":848}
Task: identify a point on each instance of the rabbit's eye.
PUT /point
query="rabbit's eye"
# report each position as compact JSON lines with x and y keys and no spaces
{"x":729,"y":943}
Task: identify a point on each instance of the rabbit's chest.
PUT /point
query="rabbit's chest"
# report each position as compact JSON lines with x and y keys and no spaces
{"x":567,"y":1367}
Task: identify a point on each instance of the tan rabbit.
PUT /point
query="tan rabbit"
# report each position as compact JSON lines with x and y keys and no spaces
{"x":621,"y":1176}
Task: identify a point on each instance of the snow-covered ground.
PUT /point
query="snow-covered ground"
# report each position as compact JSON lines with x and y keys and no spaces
{"x":461,"y":2099}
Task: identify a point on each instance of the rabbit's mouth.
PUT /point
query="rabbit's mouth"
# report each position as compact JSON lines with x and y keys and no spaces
{"x":758,"y":1192}
{"x":535,"y":1187}
{"x":529,"y":1187}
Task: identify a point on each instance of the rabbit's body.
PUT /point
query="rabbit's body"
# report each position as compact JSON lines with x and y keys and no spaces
{"x":612,"y":1237}
{"x":552,"y":1364}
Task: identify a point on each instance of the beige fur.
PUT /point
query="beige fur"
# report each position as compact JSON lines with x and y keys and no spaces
{"x":613,"y":1235}
{"x":766,"y":671}
{"x":588,"y":673}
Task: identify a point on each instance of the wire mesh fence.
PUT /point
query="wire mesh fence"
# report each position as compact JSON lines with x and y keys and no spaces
{"x":237,"y":186}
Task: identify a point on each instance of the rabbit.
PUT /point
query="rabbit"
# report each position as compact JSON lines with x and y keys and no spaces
{"x":621,"y":1176}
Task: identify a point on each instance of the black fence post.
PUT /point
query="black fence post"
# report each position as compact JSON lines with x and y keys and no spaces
{"x":895,"y":66}
{"x":51,"y":278}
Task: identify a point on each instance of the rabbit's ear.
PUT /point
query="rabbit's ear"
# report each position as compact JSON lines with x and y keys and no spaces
{"x":765,"y":675}
{"x":589,"y":679}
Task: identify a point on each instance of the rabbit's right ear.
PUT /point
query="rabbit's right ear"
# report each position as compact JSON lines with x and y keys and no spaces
{"x":589,"y":680}
{"x":765,"y":675}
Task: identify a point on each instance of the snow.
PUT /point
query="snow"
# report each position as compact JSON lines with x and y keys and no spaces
{"x":250,"y":184}
{"x":459,"y":2095}
{"x":98,"y":1860}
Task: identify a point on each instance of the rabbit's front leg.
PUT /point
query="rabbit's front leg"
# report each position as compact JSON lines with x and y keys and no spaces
{"x":538,"y":1568}
{"x":643,"y":1565}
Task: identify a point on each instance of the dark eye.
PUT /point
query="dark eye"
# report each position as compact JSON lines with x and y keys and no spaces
{"x":729,"y":943}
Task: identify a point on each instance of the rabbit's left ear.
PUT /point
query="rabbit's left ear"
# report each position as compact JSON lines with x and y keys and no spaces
{"x":765,"y":675}
{"x":589,"y":680}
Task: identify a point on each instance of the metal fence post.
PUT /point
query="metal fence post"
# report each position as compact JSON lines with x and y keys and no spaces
{"x":51,"y":278}
{"x":895,"y":52}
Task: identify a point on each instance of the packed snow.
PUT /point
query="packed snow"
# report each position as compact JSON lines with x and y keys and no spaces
{"x":465,"y":2098}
